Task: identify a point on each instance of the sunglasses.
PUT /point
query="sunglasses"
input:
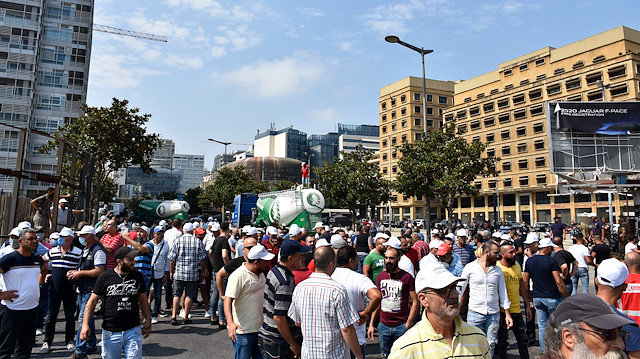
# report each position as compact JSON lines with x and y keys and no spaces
{"x":248,"y":248}
{"x":609,"y":336}
{"x":446,"y":291}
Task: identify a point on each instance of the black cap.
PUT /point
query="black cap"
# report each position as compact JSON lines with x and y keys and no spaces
{"x":125,"y":252}
{"x":588,"y":308}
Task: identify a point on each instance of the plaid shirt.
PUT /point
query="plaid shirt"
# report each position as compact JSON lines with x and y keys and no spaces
{"x":187,"y":251}
{"x":322,"y":307}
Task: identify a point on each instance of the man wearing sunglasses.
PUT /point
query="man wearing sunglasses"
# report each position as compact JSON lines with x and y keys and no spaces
{"x":611,"y":282}
{"x":441,"y":333}
{"x":584,"y":326}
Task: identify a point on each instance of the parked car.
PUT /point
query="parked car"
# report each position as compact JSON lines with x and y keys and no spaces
{"x":419,"y":222}
{"x":541,"y":226}
{"x":340,"y":221}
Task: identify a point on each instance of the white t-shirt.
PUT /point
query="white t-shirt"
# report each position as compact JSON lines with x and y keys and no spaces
{"x":406,"y":265}
{"x":357,"y":286}
{"x":171,"y":235}
{"x":579,"y":251}
{"x":630,"y":247}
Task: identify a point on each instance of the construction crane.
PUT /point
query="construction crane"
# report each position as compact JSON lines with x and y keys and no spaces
{"x":123,"y":32}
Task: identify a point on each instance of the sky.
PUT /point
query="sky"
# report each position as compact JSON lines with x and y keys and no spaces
{"x":232,"y":68}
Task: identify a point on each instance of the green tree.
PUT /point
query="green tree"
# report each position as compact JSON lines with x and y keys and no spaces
{"x":283,"y":185}
{"x":351,"y":181}
{"x":191,"y":196}
{"x":115,"y":136}
{"x":226,"y":185}
{"x":442,"y":166}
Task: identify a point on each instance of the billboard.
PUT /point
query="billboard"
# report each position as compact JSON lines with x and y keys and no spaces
{"x":589,"y":139}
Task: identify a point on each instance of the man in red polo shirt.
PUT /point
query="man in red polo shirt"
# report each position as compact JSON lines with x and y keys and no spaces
{"x":111,"y":241}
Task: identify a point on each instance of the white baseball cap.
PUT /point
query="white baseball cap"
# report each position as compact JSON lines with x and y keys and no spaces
{"x":252,"y":231}
{"x":145,"y":228}
{"x":436,"y":243}
{"x":393,"y":242}
{"x":245,"y":229}
{"x":381,"y":235}
{"x":338,"y":242}
{"x":450,"y":236}
{"x":322,"y":242}
{"x":196,"y":224}
{"x":104,"y":218}
{"x":63,"y":200}
{"x":531,"y":238}
{"x":15,"y":232}
{"x":87,"y":230}
{"x":24,"y":224}
{"x":496,"y":234}
{"x":294,"y":230}
{"x":462,"y":233}
{"x":505,"y":237}
{"x":435,"y":231}
{"x":272,"y":231}
{"x":215,"y":227}
{"x":66,"y":232}
{"x":54,"y":235}
{"x":162,"y":223}
{"x":260,"y":252}
{"x":612,"y":273}
{"x":188,"y":227}
{"x":546,"y":242}
{"x":318,"y":225}
{"x":434,"y":276}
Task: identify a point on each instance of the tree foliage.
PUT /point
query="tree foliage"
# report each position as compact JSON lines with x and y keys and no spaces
{"x":442,"y":166}
{"x":191,"y":196}
{"x":226,"y":185}
{"x":283,"y":185}
{"x":116,"y":137}
{"x":351,"y":182}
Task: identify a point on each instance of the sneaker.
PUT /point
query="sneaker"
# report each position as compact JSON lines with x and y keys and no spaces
{"x":181,"y":314}
{"x":154,"y":320}
{"x":71,"y":346}
{"x":207,"y":315}
{"x":77,"y":355}
{"x":186,"y":321}
{"x":163,"y":314}
{"x":173,"y":321}
{"x":99,"y":345}
{"x":45,"y":348}
{"x":92,"y":350}
{"x":39,"y":332}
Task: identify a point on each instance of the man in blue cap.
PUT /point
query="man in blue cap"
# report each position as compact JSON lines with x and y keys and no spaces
{"x":279,"y":336}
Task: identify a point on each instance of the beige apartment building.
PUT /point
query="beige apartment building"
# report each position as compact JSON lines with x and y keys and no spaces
{"x":401,"y":120}
{"x":506,"y":109}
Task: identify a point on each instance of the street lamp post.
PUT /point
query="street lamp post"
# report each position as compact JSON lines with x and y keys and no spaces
{"x":609,"y":194}
{"x":224,"y":159}
{"x":396,"y":40}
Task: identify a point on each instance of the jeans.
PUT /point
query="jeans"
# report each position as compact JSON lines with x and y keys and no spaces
{"x":68,"y":301}
{"x":361,"y":258}
{"x":246,"y":346}
{"x":271,"y":350}
{"x":362,"y":350}
{"x":545,"y":307}
{"x":488,"y":323}
{"x":168,"y":293}
{"x":81,"y":345}
{"x":17,"y":332}
{"x":129,"y":341}
{"x":387,"y":335}
{"x":519,"y":331}
{"x":583,"y":275}
{"x":43,"y":308}
{"x":157,"y":288}
{"x":216,"y":301}
{"x":569,"y":287}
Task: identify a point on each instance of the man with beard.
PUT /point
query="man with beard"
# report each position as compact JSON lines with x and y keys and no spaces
{"x":585,"y":327}
{"x":515,"y":288}
{"x":487,"y":293}
{"x":399,"y":306}
{"x":441,"y":333}
{"x":124,"y":296}
{"x":448,"y":260}
{"x":374,"y":261}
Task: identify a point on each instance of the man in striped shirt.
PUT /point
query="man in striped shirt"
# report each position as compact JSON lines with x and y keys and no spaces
{"x":441,"y":333}
{"x":322,"y":308}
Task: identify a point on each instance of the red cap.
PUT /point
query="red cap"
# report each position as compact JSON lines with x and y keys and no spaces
{"x":443,"y":249}
{"x":199,"y":230}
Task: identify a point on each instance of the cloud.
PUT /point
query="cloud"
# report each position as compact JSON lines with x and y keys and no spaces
{"x":215,"y":9}
{"x":325,"y":116}
{"x":393,"y":18}
{"x":235,"y":39}
{"x":345,"y":46}
{"x":310,"y":12}
{"x":183,"y":62}
{"x":165,"y":27}
{"x":271,"y":79}
{"x":115,"y":71}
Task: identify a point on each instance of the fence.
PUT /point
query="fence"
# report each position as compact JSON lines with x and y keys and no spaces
{"x":23,"y":212}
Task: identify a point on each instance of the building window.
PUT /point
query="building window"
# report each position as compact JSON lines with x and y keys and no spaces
{"x":495,"y":91}
{"x":540,"y":62}
{"x":465,"y":202}
{"x":538,"y":127}
{"x":504,"y":117}
{"x":618,"y":90}
{"x":490,"y":137}
{"x":418,"y":136}
{"x":558,"y":71}
{"x":593,"y":78}
{"x":506,"y":150}
{"x":393,"y":102}
{"x":487,"y":107}
{"x":393,"y":114}
{"x":524,"y":82}
{"x":403,"y":98}
{"x":578,"y":65}
{"x":536,"y":110}
{"x":403,"y":111}
{"x":417,"y":121}
{"x":429,"y":110}
{"x":416,"y":96}
{"x":384,"y":118}
{"x":461,"y":114}
{"x":573,"y":84}
{"x":540,"y":162}
{"x":508,"y":72}
{"x":502,"y":103}
{"x":521,"y":131}
{"x":462,"y":129}
{"x":393,"y":127}
{"x":442,"y":100}
{"x":384,"y":129}
{"x":543,"y":198}
{"x":384,"y":143}
{"x":562,"y":199}
{"x":518,"y":99}
{"x":508,"y":87}
{"x":449,"y":118}
{"x":538,"y":145}
{"x":523,"y":164}
{"x":506,"y":166}
{"x":491,"y":152}
{"x":394,"y":169}
{"x":384,"y":105}
{"x":492,"y":184}
{"x":522,"y":147}
{"x":385,"y":157}
{"x":474,"y":125}
{"x":480,"y":95}
{"x":506,"y":183}
{"x":541,"y":179}
{"x":475,"y":139}
{"x":416,"y":109}
{"x":394,"y":155}
{"x":505,"y":135}
{"x":524,"y":181}
{"x":520,"y":114}
{"x":478,"y":201}
{"x":524,"y":67}
{"x":489,"y":121}
{"x":474,"y":111}
{"x":599,"y":58}
{"x":524,"y":200}
{"x":553,"y":89}
{"x":384,"y":170}
{"x":404,"y":123}
{"x":467,"y":99}
{"x":582,"y":197}
{"x":594,"y":95}
{"x":393,"y":141}
{"x":541,"y":77}
{"x":577,"y":97}
{"x":404,"y":138}
{"x":535,"y":94}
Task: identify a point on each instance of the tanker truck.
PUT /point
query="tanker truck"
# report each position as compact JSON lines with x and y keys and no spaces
{"x":301,"y":206}
{"x":155,"y":209}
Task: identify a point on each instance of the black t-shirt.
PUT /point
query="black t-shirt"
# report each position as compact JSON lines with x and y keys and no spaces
{"x":602,"y":252}
{"x":234,"y":264}
{"x":218,"y":245}
{"x":120,"y":295}
{"x":326,"y":235}
{"x":540,"y":269}
{"x":362,"y":243}
{"x":557,"y":229}
{"x":563,"y":257}
{"x":519,"y":243}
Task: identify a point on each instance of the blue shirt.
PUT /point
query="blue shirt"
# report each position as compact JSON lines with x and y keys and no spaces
{"x":632,"y":344}
{"x":540,"y":268}
{"x":466,"y":253}
{"x":143,"y":260}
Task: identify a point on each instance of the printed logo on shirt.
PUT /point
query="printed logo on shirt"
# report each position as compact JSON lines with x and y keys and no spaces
{"x":129,"y":287}
{"x":391,"y":290}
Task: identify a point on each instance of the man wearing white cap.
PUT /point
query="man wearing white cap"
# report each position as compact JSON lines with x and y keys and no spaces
{"x":322,"y":231}
{"x":374,"y":261}
{"x":63,"y":214}
{"x":441,"y":333}
{"x":243,"y":302}
{"x":611,"y":282}
{"x":463,"y":249}
{"x":548,"y":287}
{"x":434,"y":246}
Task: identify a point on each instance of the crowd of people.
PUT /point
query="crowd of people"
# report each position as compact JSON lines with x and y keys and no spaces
{"x":285,"y":293}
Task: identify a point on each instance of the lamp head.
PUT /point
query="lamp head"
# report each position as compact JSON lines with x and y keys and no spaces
{"x":391,"y":39}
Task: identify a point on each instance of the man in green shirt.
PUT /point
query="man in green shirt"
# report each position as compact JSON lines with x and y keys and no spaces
{"x":374,"y":262}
